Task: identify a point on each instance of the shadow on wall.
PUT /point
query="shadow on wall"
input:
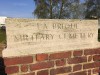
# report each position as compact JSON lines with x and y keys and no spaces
{"x":2,"y":46}
{"x":2,"y":67}
{"x":99,"y":31}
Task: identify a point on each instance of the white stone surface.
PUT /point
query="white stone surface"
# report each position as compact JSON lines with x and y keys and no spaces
{"x":2,"y":20}
{"x":29,"y":36}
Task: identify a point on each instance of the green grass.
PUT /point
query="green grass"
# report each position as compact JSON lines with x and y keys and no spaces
{"x":2,"y":36}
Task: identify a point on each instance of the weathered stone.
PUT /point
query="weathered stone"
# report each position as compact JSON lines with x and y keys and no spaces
{"x":28,"y":36}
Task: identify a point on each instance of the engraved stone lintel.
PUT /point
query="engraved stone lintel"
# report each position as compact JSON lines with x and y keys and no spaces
{"x":29,"y":36}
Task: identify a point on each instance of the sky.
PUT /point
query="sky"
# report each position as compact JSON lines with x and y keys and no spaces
{"x":17,"y":8}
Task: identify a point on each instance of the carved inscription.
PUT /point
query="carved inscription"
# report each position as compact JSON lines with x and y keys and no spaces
{"x":59,"y":33}
{"x":40,"y":36}
{"x":69,"y":31}
{"x":76,"y":36}
{"x":29,"y":36}
{"x":34,"y":36}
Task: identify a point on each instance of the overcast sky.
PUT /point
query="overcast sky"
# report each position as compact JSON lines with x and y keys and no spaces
{"x":17,"y":8}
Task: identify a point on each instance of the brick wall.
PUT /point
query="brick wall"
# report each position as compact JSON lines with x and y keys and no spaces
{"x":80,"y":62}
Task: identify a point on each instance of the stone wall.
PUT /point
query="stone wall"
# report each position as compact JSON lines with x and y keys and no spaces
{"x":77,"y":55}
{"x":29,"y":36}
{"x":80,"y":62}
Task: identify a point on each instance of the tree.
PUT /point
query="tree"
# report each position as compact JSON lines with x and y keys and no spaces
{"x":62,"y":9}
{"x":46,"y":8}
{"x":57,"y":9}
{"x":92,"y":9}
{"x":98,"y":8}
{"x":74,"y":9}
{"x":42,"y":9}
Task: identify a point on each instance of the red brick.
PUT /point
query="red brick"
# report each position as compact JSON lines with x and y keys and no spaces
{"x":91,"y":51}
{"x":91,"y":65}
{"x":89,"y":72}
{"x":77,"y":53}
{"x":77,"y":67}
{"x":29,"y":73}
{"x":41,"y":65}
{"x":41,"y":57}
{"x":77,"y":60}
{"x":18,"y":60}
{"x":12,"y":69}
{"x":96,"y":70}
{"x":90,"y":58}
{"x":96,"y":58}
{"x":24,"y":68}
{"x":60,"y":55}
{"x":44,"y":72}
{"x":60,"y":70}
{"x":79,"y":73}
{"x":61,"y":62}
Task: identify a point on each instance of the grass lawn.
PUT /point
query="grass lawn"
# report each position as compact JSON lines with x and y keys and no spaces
{"x":2,"y":36}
